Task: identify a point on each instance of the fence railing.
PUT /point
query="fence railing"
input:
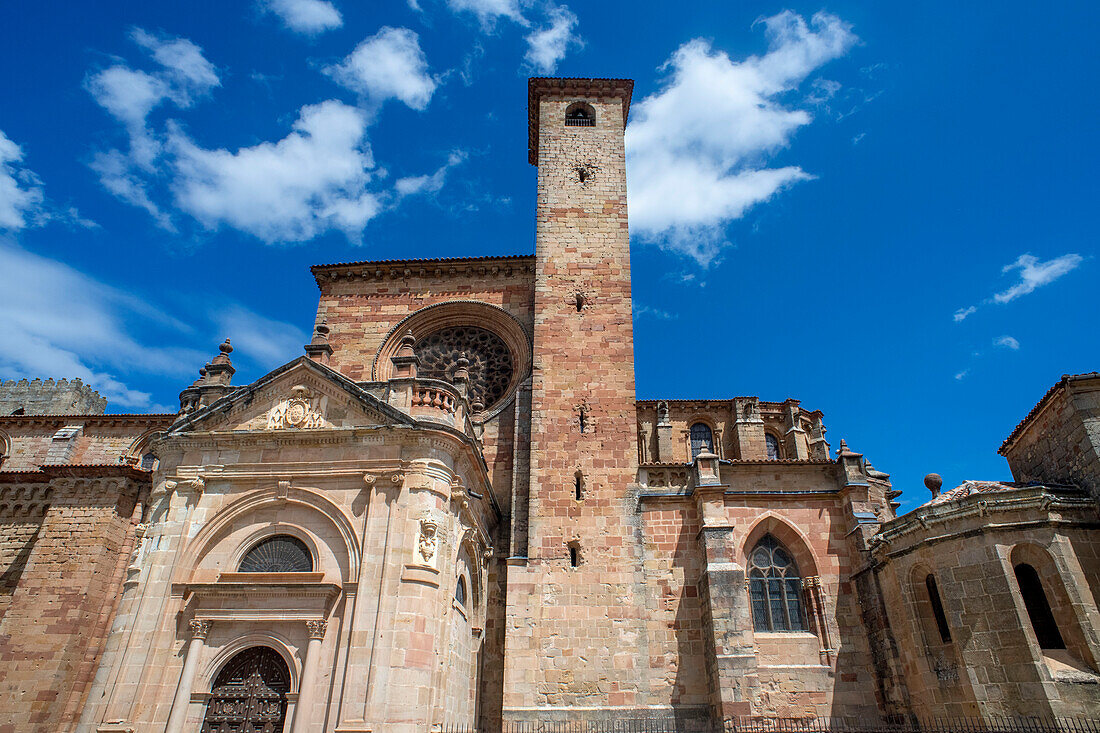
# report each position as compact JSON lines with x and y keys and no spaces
{"x":791,"y":725}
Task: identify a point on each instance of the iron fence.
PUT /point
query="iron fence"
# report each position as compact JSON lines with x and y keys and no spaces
{"x":792,"y":725}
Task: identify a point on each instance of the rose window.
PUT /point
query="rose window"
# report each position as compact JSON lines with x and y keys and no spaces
{"x":490,"y":361}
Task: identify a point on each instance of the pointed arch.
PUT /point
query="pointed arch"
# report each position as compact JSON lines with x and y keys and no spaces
{"x":796,"y":542}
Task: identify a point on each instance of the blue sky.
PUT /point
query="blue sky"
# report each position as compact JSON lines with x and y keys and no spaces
{"x":885,"y":211}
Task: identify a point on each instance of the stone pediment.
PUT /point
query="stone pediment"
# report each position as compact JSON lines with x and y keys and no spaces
{"x":301,"y":395}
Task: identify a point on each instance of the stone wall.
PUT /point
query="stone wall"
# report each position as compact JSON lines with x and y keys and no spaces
{"x":57,"y":618}
{"x":37,"y":397}
{"x":738,"y":428}
{"x":1059,"y":442}
{"x":576,"y":637}
{"x":989,"y":663}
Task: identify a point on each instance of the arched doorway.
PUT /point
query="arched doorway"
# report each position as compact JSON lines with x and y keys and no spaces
{"x":249,"y":694}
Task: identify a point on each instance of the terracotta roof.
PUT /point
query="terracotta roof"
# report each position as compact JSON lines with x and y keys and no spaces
{"x":970,"y":488}
{"x":1066,"y":379}
{"x":540,"y":86}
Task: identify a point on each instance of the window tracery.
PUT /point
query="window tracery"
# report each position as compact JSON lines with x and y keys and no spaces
{"x":491,"y":363}
{"x":278,"y":554}
{"x":775,"y":588}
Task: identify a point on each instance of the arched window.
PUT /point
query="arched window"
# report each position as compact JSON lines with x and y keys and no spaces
{"x":1038,"y":608}
{"x":460,"y":590}
{"x":580,"y":114}
{"x":772,"y":444}
{"x":701,"y":437}
{"x":937,"y":608}
{"x":775,"y":588}
{"x":279,"y":554}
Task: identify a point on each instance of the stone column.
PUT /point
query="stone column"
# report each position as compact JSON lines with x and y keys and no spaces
{"x":307,"y":685}
{"x":199,"y":629}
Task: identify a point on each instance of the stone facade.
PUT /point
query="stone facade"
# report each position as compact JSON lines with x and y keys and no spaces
{"x":36,"y":397}
{"x":453,"y":511}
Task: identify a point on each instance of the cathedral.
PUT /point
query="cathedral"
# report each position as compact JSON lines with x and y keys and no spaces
{"x":452,"y":511}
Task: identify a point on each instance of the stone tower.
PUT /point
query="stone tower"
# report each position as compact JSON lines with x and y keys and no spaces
{"x":576,"y":638}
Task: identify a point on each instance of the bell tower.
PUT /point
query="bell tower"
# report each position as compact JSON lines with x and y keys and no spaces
{"x":578,"y":598}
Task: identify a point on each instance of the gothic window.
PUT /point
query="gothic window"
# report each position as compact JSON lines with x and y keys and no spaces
{"x":580,"y":114}
{"x":148,"y":461}
{"x":460,"y":591}
{"x":278,"y":554}
{"x":701,"y":437}
{"x":937,"y":608}
{"x":775,"y":588}
{"x":490,"y":361}
{"x":772,"y":444}
{"x":249,"y":694}
{"x":1038,"y":608}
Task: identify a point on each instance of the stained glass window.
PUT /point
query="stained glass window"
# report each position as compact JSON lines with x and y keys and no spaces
{"x":775,"y":588}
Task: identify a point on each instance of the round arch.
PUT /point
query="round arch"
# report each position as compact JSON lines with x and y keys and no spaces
{"x":453,"y":314}
{"x":276,"y":642}
{"x":214,"y":530}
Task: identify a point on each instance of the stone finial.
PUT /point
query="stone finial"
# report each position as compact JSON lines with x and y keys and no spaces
{"x":318,"y":348}
{"x":405,"y":362}
{"x":461,"y":378}
{"x":843,"y":447}
{"x":933,"y":481}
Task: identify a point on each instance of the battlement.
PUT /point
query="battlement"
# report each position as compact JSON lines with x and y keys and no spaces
{"x":47,"y":397}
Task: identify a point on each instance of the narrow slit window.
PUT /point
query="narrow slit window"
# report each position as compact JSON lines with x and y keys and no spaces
{"x":1038,"y":608}
{"x":578,"y":486}
{"x":574,"y":556}
{"x":937,"y":609}
{"x":460,"y":591}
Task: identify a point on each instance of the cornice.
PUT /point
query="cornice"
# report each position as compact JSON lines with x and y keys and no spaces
{"x":380,"y":270}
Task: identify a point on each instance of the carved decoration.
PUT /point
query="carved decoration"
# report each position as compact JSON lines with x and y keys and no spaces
{"x":490,"y":361}
{"x":316,"y":629}
{"x":301,"y":410}
{"x":200,"y":627}
{"x":428,"y":540}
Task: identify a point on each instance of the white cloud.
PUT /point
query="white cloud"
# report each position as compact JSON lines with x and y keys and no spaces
{"x":548,"y":45}
{"x":1008,"y":342}
{"x":695,"y":148}
{"x":388,"y":65}
{"x":962,"y":313}
{"x":645,"y":311}
{"x":1034,"y":273}
{"x":130,"y":95}
{"x":313,"y":180}
{"x":58,"y":322}
{"x":309,"y":17}
{"x":119,"y":177}
{"x":187,"y":72}
{"x":962,"y":374}
{"x":21,"y":197}
{"x":488,"y":11}
{"x":429,"y":183}
{"x":268,"y":342}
